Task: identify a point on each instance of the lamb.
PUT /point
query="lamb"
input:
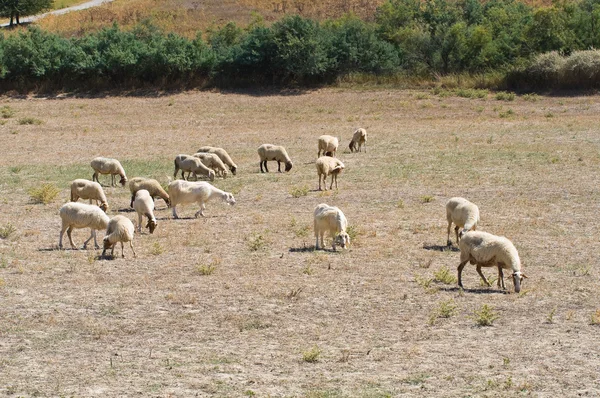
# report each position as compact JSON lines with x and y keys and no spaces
{"x":359,"y":138}
{"x":222,"y":154}
{"x":330,"y":218}
{"x":486,"y":250}
{"x":212,"y":161}
{"x":150,"y":185}
{"x":81,"y":215}
{"x":108,"y":166}
{"x":463,"y":214}
{"x":86,"y":189}
{"x":120,"y":229}
{"x":273,"y":152}
{"x":184,"y":192}
{"x":193,"y":166}
{"x":144,"y":206}
{"x":328,"y":145}
{"x":326,"y":165}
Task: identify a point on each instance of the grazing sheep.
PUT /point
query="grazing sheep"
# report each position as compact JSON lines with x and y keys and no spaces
{"x":328,"y":145}
{"x":86,"y":189}
{"x":330,"y":218}
{"x":212,"y":161}
{"x":326,"y":165}
{"x":463,"y":214}
{"x":144,"y":206}
{"x":193,"y":166}
{"x":273,"y":152}
{"x":108,"y":166}
{"x":486,"y":250}
{"x":222,"y":154}
{"x":359,"y":138}
{"x":120,"y":229}
{"x":81,"y":215}
{"x":150,"y":185}
{"x":184,"y":192}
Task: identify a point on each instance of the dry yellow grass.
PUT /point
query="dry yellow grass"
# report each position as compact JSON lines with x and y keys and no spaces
{"x":75,"y":325}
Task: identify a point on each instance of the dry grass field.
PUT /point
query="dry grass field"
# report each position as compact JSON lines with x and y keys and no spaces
{"x":239,"y":304}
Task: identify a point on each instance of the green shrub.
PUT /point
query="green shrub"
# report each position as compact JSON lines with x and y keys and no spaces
{"x":45,"y":194}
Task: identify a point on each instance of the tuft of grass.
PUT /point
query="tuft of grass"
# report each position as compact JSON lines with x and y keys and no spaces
{"x":485,"y":316}
{"x":427,"y":199}
{"x":15,"y":169}
{"x":506,"y":114}
{"x":471,"y":93}
{"x":257,"y":242}
{"x":400,"y":204}
{"x":443,"y":275}
{"x":45,"y":194}
{"x":445,"y":309}
{"x":7,"y":112}
{"x":7,"y":230}
{"x":504,"y":96}
{"x":307,"y":270}
{"x":29,"y":121}
{"x":550,"y":316}
{"x":549,"y":115}
{"x":205,"y":269}
{"x":595,"y":318}
{"x":312,"y":355}
{"x":298,"y":192}
{"x":157,"y":249}
{"x":530,"y":97}
{"x":353,"y":231}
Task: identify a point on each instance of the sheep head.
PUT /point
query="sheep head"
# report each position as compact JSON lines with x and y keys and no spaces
{"x":233,"y":169}
{"x":123,"y":180}
{"x":151,"y":225}
{"x":518,"y":277}
{"x":229,"y":199}
{"x":342,"y":239}
{"x":211,"y":175}
{"x":351,"y":146}
{"x":288,"y":166}
{"x":104,"y":206}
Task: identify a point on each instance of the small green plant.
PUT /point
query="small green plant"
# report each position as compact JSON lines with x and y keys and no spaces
{"x":505,"y":362}
{"x":531,"y":97}
{"x":445,"y":309}
{"x":157,"y":249}
{"x":249,"y":393}
{"x":312,"y":355}
{"x":45,"y":194}
{"x":549,"y":115}
{"x":485,"y":316}
{"x":257,"y":242}
{"x":91,"y":257}
{"x":7,"y":230}
{"x":490,"y":139}
{"x":471,"y":93}
{"x":595,"y":318}
{"x":506,"y":114}
{"x":400,"y":204}
{"x":443,"y":275}
{"x":7,"y":112}
{"x":504,"y":96}
{"x":205,"y":269}
{"x":29,"y":121}
{"x":307,"y":270}
{"x":15,"y":169}
{"x":421,"y":96}
{"x":298,"y":192}
{"x":550,"y":316}
{"x":427,"y":199}
{"x":352,"y":231}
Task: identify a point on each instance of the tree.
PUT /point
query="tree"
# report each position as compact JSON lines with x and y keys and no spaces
{"x":14,"y":9}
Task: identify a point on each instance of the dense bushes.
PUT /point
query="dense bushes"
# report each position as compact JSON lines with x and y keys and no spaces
{"x":414,"y":37}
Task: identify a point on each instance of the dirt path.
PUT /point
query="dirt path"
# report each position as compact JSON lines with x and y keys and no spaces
{"x":88,"y":4}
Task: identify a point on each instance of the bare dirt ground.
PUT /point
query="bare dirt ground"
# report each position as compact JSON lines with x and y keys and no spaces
{"x":72,"y":324}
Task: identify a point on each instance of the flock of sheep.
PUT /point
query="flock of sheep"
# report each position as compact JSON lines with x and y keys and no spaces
{"x":479,"y":248}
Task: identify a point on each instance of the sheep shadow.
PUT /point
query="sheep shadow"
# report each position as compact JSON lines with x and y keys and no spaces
{"x":475,"y":291}
{"x":306,"y":249}
{"x":126,"y":210}
{"x":56,"y":248}
{"x":441,"y":248}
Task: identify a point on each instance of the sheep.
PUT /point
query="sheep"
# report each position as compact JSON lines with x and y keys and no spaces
{"x":486,"y":250}
{"x":463,"y":214}
{"x":222,"y":154}
{"x":184,"y":192}
{"x":108,"y":166}
{"x":359,"y":138}
{"x":120,"y":229}
{"x":81,"y":215}
{"x":144,"y":206}
{"x":273,"y":152}
{"x":328,"y":145}
{"x":150,"y":185}
{"x":330,"y":218}
{"x":212,"y":161}
{"x":193,"y":166}
{"x":86,"y":189}
{"x":326,"y":165}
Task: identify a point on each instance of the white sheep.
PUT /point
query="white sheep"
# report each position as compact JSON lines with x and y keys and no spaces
{"x":486,"y":250}
{"x":144,"y":206}
{"x":193,"y":166}
{"x":212,"y":161}
{"x":81,"y":215}
{"x":326,"y":165}
{"x":222,"y":154}
{"x":86,"y":189}
{"x":330,"y":218}
{"x":273,"y":152}
{"x":150,"y":185}
{"x":359,"y":138}
{"x":120,"y":229}
{"x":463,"y":214}
{"x":108,"y":166}
{"x":184,"y":192}
{"x":328,"y":145}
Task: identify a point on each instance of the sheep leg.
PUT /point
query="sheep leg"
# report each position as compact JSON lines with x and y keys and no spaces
{"x":501,"y":279}
{"x":139,"y":223}
{"x":175,"y":174}
{"x":92,"y":235}
{"x":483,"y":276}
{"x":266,"y":169}
{"x":62,"y":231}
{"x":333,"y":241}
{"x":175,"y":212}
{"x":132,"y":199}
{"x":456,"y":232}
{"x":278,"y":166}
{"x":122,"y":250}
{"x":112,"y":180}
{"x":69,"y":230}
{"x":132,"y":249}
{"x":448,"y":241}
{"x":201,"y":211}
{"x":320,"y":182}
{"x":460,"y":269}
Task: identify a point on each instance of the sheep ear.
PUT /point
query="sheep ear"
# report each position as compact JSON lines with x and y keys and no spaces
{"x":524,"y":276}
